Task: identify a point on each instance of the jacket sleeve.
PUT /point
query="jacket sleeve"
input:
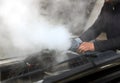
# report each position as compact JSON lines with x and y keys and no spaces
{"x":94,"y":30}
{"x":116,"y":0}
{"x":111,"y":44}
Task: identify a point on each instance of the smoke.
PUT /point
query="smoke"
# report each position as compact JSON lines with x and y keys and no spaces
{"x":71,"y":13}
{"x":24,"y":31}
{"x":29,"y":26}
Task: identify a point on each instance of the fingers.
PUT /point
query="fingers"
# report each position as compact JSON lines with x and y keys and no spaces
{"x":82,"y":48}
{"x":86,"y":46}
{"x":106,"y":0}
{"x":109,"y":1}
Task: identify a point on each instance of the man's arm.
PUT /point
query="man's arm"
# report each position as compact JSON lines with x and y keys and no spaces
{"x":90,"y":34}
{"x":112,"y":0}
{"x":116,"y":0}
{"x":111,"y":44}
{"x":94,"y":30}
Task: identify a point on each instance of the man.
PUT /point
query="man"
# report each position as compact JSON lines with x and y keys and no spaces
{"x":108,"y":22}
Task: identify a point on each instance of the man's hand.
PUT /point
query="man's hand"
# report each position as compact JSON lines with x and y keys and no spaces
{"x":86,"y":46}
{"x":108,"y":0}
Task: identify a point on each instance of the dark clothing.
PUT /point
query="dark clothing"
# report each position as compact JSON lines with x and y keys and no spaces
{"x":108,"y":22}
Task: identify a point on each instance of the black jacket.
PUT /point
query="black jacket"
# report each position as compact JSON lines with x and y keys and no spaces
{"x":108,"y":22}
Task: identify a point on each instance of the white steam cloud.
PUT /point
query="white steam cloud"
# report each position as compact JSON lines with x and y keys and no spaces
{"x":24,"y":31}
{"x":72,"y":13}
